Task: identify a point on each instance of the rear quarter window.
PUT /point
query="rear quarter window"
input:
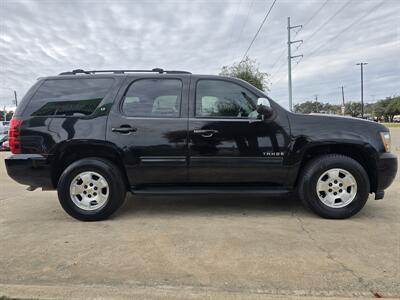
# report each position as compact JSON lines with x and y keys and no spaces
{"x":69,"y":97}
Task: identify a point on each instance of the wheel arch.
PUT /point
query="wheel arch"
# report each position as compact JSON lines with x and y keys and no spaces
{"x":72,"y":151}
{"x":363,"y":154}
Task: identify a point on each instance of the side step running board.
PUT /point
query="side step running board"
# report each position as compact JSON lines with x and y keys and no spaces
{"x":210,"y":191}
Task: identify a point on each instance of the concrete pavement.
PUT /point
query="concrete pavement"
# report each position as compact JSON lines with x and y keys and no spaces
{"x":197,"y":247}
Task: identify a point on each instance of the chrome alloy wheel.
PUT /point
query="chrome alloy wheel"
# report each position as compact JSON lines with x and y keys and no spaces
{"x":89,"y":191}
{"x":336,"y":188}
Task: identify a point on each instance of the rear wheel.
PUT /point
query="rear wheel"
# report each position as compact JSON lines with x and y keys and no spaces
{"x":334,"y":186}
{"x":91,"y":189}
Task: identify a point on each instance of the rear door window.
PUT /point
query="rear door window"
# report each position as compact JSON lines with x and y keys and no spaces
{"x":69,"y":97}
{"x":153,"y":98}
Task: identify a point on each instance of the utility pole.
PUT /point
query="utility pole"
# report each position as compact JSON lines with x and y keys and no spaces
{"x":343,"y":105}
{"x":361,"y":64}
{"x":290,"y":57}
{"x":15,"y":97}
{"x":316,"y":98}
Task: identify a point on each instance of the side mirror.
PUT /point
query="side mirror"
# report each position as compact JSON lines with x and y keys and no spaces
{"x":263,"y":102}
{"x":264,"y":108}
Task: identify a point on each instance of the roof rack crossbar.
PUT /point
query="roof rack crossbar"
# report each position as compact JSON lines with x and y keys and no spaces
{"x":155,"y":70}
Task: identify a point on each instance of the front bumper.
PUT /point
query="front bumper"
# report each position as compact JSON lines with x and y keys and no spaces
{"x":386,"y":170}
{"x":30,"y":169}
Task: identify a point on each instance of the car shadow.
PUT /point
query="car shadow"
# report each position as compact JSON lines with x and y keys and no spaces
{"x":209,"y":205}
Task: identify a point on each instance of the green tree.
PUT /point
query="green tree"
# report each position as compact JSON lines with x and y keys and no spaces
{"x":247,"y":70}
{"x":9,"y":115}
{"x":387,"y":108}
{"x":308,"y":107}
{"x":353,"y":109}
{"x":369,"y":108}
{"x":331,"y":108}
{"x":380,"y":110}
{"x":393,"y":108}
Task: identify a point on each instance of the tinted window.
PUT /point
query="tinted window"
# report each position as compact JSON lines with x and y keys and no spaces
{"x":218,"y":98}
{"x":69,"y":97}
{"x":153,"y":98}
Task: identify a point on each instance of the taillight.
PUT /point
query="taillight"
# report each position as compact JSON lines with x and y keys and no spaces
{"x":14,"y":135}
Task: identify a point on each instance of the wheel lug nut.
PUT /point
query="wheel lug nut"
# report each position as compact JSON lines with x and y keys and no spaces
{"x":95,"y":188}
{"x":335,"y":193}
{"x":330,"y":190}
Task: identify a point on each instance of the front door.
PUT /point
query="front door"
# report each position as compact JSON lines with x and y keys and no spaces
{"x":228,"y":141}
{"x":149,"y":126}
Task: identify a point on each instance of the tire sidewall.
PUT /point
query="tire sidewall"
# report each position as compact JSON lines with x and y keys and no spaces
{"x":351,"y":166}
{"x":110,"y":174}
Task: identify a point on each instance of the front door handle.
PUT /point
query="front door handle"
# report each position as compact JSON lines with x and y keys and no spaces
{"x":205,"y":132}
{"x":124,"y":129}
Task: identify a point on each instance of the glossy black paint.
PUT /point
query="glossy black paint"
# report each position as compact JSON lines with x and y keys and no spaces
{"x":188,"y":150}
{"x":238,"y":150}
{"x":357,"y":138}
{"x":157,"y":151}
{"x":30,"y":169}
{"x":386,"y":170}
{"x":46,"y":134}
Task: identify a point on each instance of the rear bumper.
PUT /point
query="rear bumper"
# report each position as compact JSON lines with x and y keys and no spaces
{"x":386,"y":170}
{"x":30,"y":169}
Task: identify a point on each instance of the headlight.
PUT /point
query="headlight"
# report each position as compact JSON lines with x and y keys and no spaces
{"x":385,"y":136}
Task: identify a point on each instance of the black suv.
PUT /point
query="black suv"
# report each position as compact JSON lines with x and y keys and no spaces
{"x":94,"y":135}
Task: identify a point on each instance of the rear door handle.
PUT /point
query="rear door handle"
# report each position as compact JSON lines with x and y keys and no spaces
{"x":124,"y":129}
{"x":205,"y":132}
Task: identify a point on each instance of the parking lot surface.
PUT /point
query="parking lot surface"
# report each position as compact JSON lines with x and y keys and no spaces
{"x":197,"y":247}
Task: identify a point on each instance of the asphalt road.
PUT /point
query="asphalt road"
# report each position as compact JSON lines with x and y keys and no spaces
{"x":196,"y":248}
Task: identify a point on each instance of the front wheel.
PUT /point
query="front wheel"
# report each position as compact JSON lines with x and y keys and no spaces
{"x":91,"y":189}
{"x":334,"y":186}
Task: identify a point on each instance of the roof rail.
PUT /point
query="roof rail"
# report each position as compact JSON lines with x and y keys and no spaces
{"x":155,"y":70}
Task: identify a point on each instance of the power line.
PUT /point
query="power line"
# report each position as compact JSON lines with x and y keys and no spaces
{"x":346,"y":28}
{"x":316,"y":31}
{"x":231,"y":37}
{"x":316,"y":50}
{"x":258,"y":31}
{"x":276,"y":71}
{"x":279,"y":58}
{"x":327,"y":21}
{"x":245,"y":21}
{"x":315,"y":14}
{"x":284,"y":51}
{"x":279,"y":78}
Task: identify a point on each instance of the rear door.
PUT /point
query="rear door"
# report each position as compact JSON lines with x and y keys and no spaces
{"x":149,"y":126}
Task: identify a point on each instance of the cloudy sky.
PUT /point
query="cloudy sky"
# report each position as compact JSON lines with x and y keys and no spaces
{"x":41,"y":38}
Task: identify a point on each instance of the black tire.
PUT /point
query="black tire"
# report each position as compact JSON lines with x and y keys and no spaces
{"x":110,"y":172}
{"x":312,"y":172}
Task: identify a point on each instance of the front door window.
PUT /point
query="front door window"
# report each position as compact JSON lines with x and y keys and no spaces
{"x":223,"y":99}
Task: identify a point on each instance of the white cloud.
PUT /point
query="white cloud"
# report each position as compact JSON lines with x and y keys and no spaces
{"x":41,"y":38}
